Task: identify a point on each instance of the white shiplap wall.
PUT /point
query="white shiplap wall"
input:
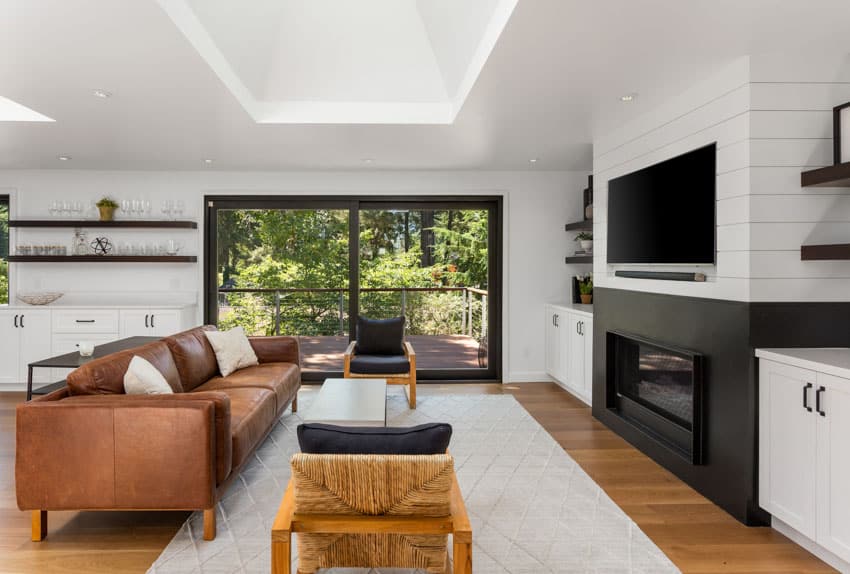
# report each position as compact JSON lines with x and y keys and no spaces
{"x":771,"y":118}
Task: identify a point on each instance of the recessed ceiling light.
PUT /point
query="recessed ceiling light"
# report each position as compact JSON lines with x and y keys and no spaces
{"x":628,"y":97}
{"x":101,"y":94}
{"x":368,"y":160}
{"x":208,"y":161}
{"x":533,"y":160}
{"x":64,"y":158}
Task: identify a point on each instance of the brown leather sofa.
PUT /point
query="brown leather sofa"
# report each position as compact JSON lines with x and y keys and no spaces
{"x":89,"y":446}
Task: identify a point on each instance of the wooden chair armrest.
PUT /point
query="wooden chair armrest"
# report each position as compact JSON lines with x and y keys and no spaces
{"x":461,"y":528}
{"x":282,"y":527}
{"x":349,"y":351}
{"x":408,"y":350}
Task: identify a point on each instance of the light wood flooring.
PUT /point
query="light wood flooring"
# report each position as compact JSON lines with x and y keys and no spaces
{"x":696,"y":535}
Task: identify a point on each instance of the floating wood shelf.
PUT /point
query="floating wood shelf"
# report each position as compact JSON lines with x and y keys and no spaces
{"x":102,"y":259}
{"x":837,"y":175}
{"x":833,"y":252}
{"x":579,"y":259}
{"x":129,"y":223}
{"x":585,"y":225}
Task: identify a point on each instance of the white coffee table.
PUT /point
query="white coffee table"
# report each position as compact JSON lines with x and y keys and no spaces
{"x":350,"y":402}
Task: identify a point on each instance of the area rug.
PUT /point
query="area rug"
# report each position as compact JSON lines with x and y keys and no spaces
{"x":533,"y":509}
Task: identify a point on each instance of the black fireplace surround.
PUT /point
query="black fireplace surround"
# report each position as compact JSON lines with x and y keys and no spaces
{"x":657,"y":388}
{"x":725,"y":334}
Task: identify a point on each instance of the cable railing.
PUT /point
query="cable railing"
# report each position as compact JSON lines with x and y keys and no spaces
{"x":324,"y":311}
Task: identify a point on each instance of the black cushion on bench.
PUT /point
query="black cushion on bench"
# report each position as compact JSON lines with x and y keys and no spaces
{"x":430,"y":438}
{"x":380,"y":365}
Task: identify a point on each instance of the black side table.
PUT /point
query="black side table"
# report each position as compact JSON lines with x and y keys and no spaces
{"x":74,"y":360}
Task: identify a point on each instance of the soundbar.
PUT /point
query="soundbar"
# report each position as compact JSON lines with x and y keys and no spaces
{"x":662,"y":275}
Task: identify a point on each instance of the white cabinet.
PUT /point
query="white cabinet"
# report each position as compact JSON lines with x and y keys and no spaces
{"x":25,"y":336}
{"x":804,"y":457}
{"x":569,"y":349}
{"x":150,"y":322}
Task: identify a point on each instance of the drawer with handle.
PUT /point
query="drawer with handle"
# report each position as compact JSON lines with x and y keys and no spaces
{"x":85,"y":321}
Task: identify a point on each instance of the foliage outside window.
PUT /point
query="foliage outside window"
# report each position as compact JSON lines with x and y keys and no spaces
{"x":4,"y":251}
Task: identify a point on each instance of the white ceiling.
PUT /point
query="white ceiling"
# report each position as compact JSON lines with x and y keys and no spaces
{"x":552,"y":80}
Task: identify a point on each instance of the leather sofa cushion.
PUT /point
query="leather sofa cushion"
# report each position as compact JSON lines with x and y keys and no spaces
{"x":194,"y":356}
{"x":252,"y":412}
{"x":283,"y":379}
{"x":380,"y":365}
{"x":380,"y":336}
{"x":430,"y":438}
{"x":105,"y":376}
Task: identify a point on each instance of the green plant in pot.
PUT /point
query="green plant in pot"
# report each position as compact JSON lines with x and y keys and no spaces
{"x":107,"y":207}
{"x":585,"y":239}
{"x":585,"y":288}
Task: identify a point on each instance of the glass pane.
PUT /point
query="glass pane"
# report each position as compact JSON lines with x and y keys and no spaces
{"x":432,"y":267}
{"x":4,"y":251}
{"x":285,"y":271}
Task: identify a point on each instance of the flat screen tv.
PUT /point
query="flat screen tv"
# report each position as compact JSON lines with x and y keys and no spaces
{"x":665,"y":213}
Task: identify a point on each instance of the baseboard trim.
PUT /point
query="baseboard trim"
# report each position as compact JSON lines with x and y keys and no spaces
{"x":810,"y":545}
{"x":529,"y":377}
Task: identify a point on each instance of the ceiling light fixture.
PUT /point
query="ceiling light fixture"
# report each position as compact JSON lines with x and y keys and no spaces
{"x":533,"y":160}
{"x":208,"y":161}
{"x":368,"y":160}
{"x":628,"y":97}
{"x":103,"y":94}
{"x":64,"y":158}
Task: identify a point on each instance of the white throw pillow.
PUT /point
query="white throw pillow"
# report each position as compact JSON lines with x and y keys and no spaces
{"x":142,"y":378}
{"x":232,"y":349}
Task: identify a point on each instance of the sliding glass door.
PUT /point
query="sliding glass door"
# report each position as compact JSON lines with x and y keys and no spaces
{"x":305,"y":267}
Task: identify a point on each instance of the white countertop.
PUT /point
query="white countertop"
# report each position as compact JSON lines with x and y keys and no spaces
{"x":59,"y":306}
{"x":832,"y":361}
{"x":576,"y":307}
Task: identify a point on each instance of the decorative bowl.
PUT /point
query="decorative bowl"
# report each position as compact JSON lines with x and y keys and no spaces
{"x":39,"y":298}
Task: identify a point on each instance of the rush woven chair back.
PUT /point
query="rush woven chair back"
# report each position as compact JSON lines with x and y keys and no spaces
{"x":381,"y":511}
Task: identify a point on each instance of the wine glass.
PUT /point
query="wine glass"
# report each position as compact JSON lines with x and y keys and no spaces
{"x":53,"y":209}
{"x":167,"y":206}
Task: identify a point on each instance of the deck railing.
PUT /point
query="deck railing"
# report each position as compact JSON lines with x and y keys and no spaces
{"x":324,"y":311}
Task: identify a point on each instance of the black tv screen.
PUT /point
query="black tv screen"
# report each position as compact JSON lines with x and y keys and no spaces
{"x":665,"y":213}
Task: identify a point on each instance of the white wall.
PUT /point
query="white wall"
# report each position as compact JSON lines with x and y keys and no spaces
{"x":536,"y":207}
{"x":771,"y":118}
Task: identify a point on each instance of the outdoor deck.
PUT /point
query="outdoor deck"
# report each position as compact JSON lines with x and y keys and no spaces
{"x":432,"y":352}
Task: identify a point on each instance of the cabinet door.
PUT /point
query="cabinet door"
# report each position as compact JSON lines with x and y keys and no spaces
{"x":833,"y":453}
{"x":587,"y":334}
{"x":787,"y":445}
{"x":575,"y":373}
{"x":10,"y":347}
{"x":165,"y":322}
{"x":35,"y":341}
{"x":552,"y":341}
{"x":135,"y":323}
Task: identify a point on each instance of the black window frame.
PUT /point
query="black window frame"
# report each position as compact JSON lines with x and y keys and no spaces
{"x":494,"y":205}
{"x":6,"y":198}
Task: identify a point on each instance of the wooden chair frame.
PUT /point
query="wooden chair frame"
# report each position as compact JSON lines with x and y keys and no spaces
{"x":408,"y":379}
{"x":287,"y":521}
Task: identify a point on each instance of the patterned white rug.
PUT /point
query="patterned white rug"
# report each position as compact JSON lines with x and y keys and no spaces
{"x":533,"y":509}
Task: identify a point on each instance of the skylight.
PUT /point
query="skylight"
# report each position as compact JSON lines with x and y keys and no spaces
{"x":14,"y":112}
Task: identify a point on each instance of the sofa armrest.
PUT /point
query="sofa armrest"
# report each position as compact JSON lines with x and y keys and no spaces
{"x":276,"y":349}
{"x":120,"y":451}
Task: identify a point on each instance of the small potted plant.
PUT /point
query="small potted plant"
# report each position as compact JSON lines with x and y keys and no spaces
{"x":585,"y":239}
{"x":585,"y":288}
{"x":107,"y":207}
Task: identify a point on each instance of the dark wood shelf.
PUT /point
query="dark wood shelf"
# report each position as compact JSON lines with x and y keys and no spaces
{"x":586,"y":225}
{"x":837,"y":175}
{"x":833,"y":252}
{"x":129,"y":223}
{"x":579,"y":259}
{"x":102,"y":259}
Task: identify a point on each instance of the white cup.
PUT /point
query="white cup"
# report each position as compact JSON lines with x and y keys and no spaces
{"x":86,"y":348}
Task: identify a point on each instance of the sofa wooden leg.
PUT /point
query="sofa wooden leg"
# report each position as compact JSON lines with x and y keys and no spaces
{"x":209,"y":523}
{"x":39,"y":525}
{"x":462,"y":558}
{"x":295,"y":404}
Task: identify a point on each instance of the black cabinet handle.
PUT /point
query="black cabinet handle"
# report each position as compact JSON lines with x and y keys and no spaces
{"x":818,"y":394}
{"x":22,"y":321}
{"x":152,"y":325}
{"x":806,"y":388}
{"x":581,"y":328}
{"x":556,"y":320}
{"x":16,"y":321}
{"x":85,"y":320}
{"x":146,"y":321}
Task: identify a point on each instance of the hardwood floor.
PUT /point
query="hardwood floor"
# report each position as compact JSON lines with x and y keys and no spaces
{"x":697,"y":536}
